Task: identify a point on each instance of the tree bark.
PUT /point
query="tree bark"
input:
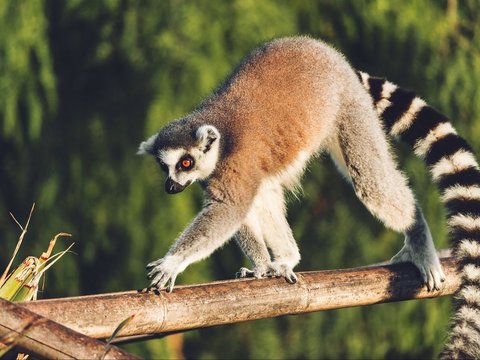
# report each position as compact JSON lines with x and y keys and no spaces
{"x":44,"y":338}
{"x":196,"y":306}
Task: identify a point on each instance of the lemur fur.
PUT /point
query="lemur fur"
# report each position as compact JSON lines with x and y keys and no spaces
{"x":250,"y":141}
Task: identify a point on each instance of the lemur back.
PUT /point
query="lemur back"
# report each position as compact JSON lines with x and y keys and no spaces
{"x":250,"y":141}
{"x":266,"y":100}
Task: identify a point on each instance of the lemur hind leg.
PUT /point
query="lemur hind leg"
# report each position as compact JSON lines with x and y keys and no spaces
{"x":366,"y":158}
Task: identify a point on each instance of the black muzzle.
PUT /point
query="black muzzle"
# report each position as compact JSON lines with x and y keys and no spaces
{"x":172,"y":187}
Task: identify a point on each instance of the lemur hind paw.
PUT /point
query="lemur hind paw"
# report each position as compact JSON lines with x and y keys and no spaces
{"x":283,"y":270}
{"x":244,"y":272}
{"x":426,"y":262}
{"x":273,"y":270}
{"x":257,"y":272}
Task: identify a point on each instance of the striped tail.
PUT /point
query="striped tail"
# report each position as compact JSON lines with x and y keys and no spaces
{"x":454,"y":169}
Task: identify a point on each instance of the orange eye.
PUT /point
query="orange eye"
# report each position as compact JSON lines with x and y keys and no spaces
{"x":185,"y":164}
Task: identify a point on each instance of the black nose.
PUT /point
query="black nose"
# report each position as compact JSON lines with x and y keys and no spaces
{"x":172,"y":187}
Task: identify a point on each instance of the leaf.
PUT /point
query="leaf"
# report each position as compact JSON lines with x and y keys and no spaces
{"x":124,"y":323}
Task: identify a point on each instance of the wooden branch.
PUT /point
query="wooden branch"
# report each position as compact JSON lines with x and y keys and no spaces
{"x":47,"y":339}
{"x":195,"y":306}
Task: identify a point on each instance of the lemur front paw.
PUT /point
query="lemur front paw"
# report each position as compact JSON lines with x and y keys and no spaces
{"x":164,"y":271}
{"x":427,"y":263}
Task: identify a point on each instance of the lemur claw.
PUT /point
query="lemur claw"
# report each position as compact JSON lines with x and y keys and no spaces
{"x":292,"y":278}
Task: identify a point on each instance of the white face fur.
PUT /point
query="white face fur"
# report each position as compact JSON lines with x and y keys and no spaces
{"x":186,"y":165}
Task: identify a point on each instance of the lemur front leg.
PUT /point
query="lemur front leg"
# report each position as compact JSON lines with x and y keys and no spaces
{"x":251,"y":241}
{"x":213,"y":226}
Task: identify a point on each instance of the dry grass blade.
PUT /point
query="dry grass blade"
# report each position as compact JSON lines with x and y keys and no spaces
{"x":19,"y":243}
{"x":47,"y":254}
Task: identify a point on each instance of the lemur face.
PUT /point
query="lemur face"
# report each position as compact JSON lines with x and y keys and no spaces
{"x":185,"y":165}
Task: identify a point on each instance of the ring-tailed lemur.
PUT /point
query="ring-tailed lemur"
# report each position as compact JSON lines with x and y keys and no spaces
{"x":250,"y":141}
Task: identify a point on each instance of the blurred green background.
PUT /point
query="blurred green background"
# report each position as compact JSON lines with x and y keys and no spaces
{"x":82,"y":83}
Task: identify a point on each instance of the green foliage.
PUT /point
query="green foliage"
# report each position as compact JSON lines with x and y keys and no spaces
{"x":27,"y":80}
{"x":83,"y":82}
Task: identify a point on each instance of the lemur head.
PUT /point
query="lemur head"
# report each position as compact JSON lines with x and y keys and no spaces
{"x":184,"y":153}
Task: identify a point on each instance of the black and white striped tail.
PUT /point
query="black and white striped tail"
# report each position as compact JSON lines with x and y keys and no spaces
{"x":455,"y":170}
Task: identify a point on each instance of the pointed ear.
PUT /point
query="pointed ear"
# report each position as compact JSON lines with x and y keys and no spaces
{"x":206,"y":136}
{"x":146,"y":147}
